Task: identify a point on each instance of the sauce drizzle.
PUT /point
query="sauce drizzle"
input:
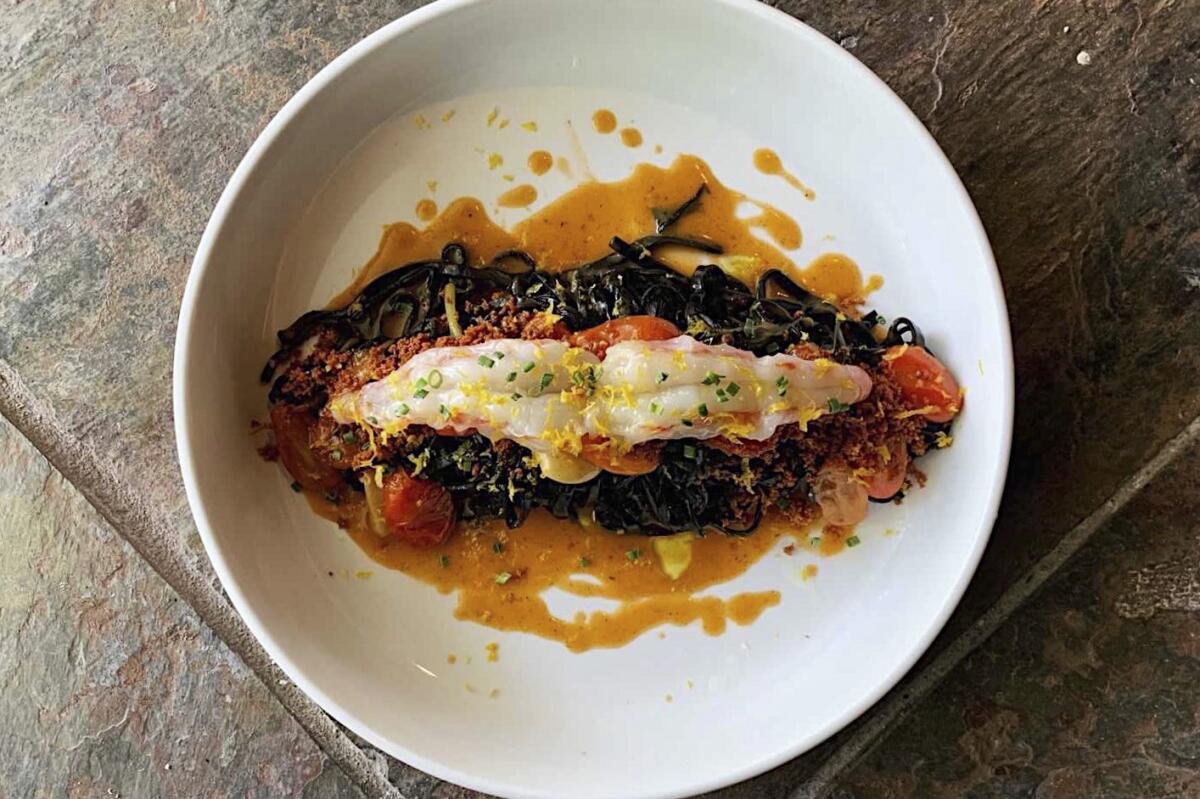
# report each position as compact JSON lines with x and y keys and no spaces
{"x":769,"y":163}
{"x":547,"y":553}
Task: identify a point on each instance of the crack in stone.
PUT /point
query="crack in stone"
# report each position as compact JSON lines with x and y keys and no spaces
{"x":96,"y":736}
{"x":947,"y":35}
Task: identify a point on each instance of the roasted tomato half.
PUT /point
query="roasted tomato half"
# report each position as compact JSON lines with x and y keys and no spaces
{"x":925,"y":382}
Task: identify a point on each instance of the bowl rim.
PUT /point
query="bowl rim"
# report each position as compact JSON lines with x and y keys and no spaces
{"x":250,"y":162}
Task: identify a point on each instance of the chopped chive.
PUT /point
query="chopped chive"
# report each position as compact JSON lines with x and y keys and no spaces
{"x":348,"y":436}
{"x":499,"y":356}
{"x":484,"y":360}
{"x":722,"y":396}
{"x":402,"y":409}
{"x":420,"y":393}
{"x":444,"y":411}
{"x":732,"y":389}
{"x":711,"y":378}
{"x":686,"y":422}
{"x":545,"y":382}
{"x":577,"y":377}
{"x":502,"y":578}
{"x":422,"y":382}
{"x":837,"y":407}
{"x":527,"y":366}
{"x":584,"y":562}
{"x":372,"y":420}
{"x":689,"y":452}
{"x":703,"y":409}
{"x":781,"y":385}
{"x":336,"y":454}
{"x":633,"y":554}
{"x":511,"y":377}
{"x":297,"y":487}
{"x":444,"y":560}
{"x":516,"y":396}
{"x":662,"y":377}
{"x":435,"y":378}
{"x":497,"y":547}
{"x":655,"y":407}
{"x":852,"y":541}
{"x":815,"y":541}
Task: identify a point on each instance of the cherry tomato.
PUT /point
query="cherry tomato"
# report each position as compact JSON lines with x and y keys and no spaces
{"x":642,"y":459}
{"x":885,"y":482}
{"x":924,"y":381}
{"x":418,"y":512}
{"x":291,"y":426}
{"x":843,"y":499}
{"x":598,"y":339}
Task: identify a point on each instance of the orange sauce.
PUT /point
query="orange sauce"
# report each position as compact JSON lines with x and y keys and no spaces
{"x":576,"y":228}
{"x":769,"y":163}
{"x":604,"y":121}
{"x":540,"y":161}
{"x":546,"y":553}
{"x":778,"y":225}
{"x":631,"y":137}
{"x":426,"y":210}
{"x":518,"y":197}
{"x":839,"y":279}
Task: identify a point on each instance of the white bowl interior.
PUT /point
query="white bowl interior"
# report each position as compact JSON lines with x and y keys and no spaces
{"x":719,"y":79}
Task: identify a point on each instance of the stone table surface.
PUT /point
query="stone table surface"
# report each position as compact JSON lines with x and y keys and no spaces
{"x":1068,"y":670}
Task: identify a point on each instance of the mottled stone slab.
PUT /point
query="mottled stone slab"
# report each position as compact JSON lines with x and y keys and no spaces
{"x":1088,"y":691}
{"x":109,"y":685}
{"x":123,"y":121}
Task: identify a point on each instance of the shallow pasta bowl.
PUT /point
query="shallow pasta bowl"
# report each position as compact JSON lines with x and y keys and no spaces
{"x":667,"y":715}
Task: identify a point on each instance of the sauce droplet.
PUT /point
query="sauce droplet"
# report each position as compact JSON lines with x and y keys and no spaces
{"x":426,"y":210}
{"x":540,"y":162}
{"x":769,"y":163}
{"x":836,"y":277}
{"x":604,"y":121}
{"x":518,"y":197}
{"x":631,"y":137}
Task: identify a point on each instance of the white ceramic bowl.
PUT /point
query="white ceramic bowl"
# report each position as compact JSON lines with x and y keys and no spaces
{"x":344,"y":156}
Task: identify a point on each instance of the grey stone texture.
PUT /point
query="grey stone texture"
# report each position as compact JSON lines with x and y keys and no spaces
{"x":1075,"y":126}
